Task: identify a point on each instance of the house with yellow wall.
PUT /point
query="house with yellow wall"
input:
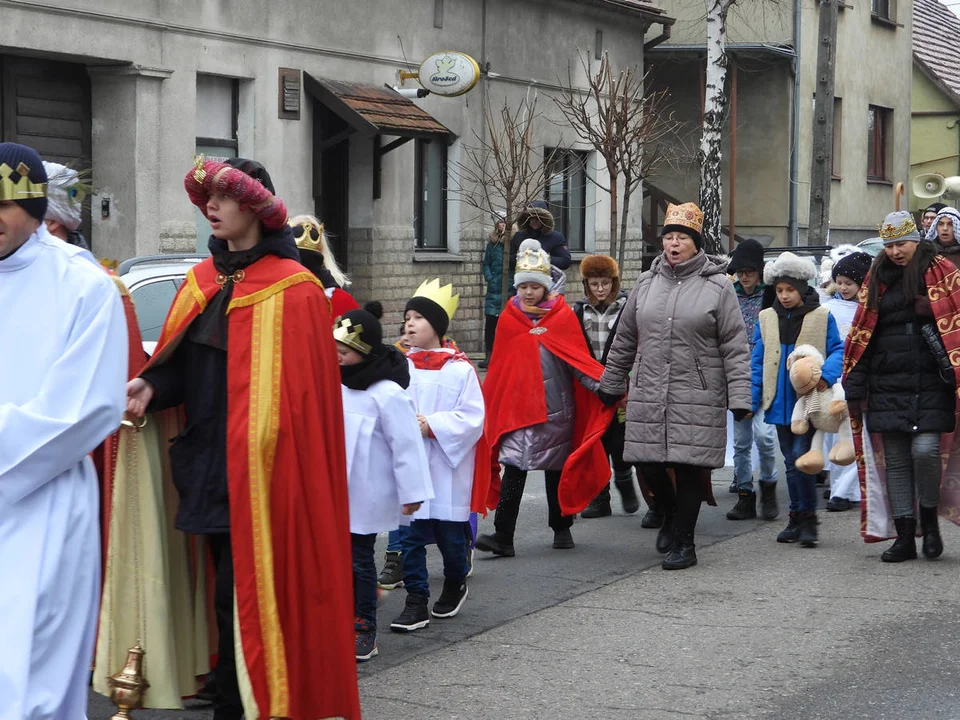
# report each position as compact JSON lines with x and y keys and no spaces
{"x":935,"y":99}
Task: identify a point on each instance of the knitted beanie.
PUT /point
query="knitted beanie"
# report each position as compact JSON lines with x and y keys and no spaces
{"x":359,"y":330}
{"x":434,"y":314}
{"x":747,"y":256}
{"x":533,"y":264}
{"x":899,"y":226}
{"x":854,"y":266}
{"x":23,"y":179}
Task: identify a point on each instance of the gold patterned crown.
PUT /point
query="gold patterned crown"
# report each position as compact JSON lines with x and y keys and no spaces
{"x":442,"y":296}
{"x":22,"y":188}
{"x":532,"y":260}
{"x":308,"y":235}
{"x":688,"y":215}
{"x":897,"y":225}
{"x":350,"y":335}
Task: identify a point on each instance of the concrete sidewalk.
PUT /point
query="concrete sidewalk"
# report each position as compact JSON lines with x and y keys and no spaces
{"x":757,"y":629}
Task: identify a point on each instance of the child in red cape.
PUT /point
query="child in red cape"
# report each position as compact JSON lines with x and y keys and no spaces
{"x":539,"y":351}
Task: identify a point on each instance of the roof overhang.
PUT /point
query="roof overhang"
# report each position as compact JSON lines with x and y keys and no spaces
{"x":933,"y":77}
{"x":742,"y":49}
{"x":372,"y":110}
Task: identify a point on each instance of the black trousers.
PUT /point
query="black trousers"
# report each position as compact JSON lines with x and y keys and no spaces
{"x":682,"y":501}
{"x":228,"y":705}
{"x":489,"y":332}
{"x":511,"y":493}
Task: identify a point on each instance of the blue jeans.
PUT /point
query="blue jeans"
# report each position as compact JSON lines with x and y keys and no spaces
{"x":364,"y":577}
{"x":802,"y":487}
{"x":745,"y":434}
{"x":394,"y":544}
{"x":451,"y":538}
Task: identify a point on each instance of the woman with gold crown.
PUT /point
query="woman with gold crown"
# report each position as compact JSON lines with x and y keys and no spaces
{"x":901,"y":371}
{"x":681,"y":356}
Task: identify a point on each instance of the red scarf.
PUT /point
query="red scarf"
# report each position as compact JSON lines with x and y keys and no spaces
{"x":515,"y":398}
{"x":943,"y":289}
{"x":433,"y":360}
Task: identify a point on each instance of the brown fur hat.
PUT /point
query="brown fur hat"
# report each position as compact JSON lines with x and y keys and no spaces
{"x":600,"y":266}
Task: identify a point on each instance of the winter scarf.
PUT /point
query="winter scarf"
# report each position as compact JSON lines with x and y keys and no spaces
{"x":943,"y":290}
{"x":387,"y":363}
{"x":750,"y":307}
{"x":537,"y":311}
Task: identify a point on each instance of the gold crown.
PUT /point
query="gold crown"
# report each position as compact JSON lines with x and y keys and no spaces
{"x":889,"y":231}
{"x":533,"y":261}
{"x":442,"y":296}
{"x":308,"y":236}
{"x":688,"y":215}
{"x":23,"y":188}
{"x":349,"y":334}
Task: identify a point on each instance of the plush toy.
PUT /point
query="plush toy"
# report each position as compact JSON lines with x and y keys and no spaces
{"x":825,"y":410}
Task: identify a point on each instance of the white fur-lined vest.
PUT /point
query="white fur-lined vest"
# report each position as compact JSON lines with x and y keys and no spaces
{"x":813,"y":331}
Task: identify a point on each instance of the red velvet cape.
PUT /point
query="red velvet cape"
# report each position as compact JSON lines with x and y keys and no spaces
{"x":514,"y":396}
{"x":286,"y":473}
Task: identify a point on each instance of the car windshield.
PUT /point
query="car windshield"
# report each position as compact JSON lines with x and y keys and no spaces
{"x":152,"y":300}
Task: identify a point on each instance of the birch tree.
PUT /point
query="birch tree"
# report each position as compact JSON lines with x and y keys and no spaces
{"x":502,"y":171}
{"x":714,"y":111}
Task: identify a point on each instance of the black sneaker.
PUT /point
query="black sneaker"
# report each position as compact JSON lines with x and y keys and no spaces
{"x":391,"y":577}
{"x":414,"y":615}
{"x":451,"y":599}
{"x":365,"y":640}
{"x":791,"y":533}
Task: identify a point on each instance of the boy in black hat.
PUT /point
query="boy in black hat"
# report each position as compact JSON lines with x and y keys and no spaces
{"x":747,"y":264}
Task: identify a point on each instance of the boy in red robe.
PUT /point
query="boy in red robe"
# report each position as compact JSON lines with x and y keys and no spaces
{"x":247,"y":350}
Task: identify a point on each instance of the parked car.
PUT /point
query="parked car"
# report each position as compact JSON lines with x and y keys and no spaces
{"x":153,"y":281}
{"x":872,"y":246}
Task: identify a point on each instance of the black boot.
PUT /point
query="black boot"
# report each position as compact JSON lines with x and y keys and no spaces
{"x":905,"y":546}
{"x":683,"y":554}
{"x":599,"y":507}
{"x":746,"y":507}
{"x":769,"y":509}
{"x":498,"y":543}
{"x":623,"y":479}
{"x":665,"y":538}
{"x":930,"y":528}
{"x":808,"y":529}
{"x":653,"y":518}
{"x":791,"y":533}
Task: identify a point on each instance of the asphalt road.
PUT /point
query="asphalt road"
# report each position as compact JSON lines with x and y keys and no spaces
{"x":757,"y":630}
{"x":504,"y":589}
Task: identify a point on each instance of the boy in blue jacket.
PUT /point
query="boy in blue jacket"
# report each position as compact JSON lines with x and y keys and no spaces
{"x":796,"y":318}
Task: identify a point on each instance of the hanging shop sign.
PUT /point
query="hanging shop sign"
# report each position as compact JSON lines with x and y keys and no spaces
{"x":449,"y":73}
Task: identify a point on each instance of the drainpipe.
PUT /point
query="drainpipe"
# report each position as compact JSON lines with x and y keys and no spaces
{"x":793,"y":230}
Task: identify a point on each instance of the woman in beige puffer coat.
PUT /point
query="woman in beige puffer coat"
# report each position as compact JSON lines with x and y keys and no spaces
{"x":681,"y":355}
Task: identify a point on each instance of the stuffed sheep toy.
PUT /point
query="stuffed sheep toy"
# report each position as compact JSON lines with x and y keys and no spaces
{"x":825,"y":410}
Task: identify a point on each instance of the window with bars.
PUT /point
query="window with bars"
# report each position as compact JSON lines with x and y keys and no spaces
{"x":566,"y":194}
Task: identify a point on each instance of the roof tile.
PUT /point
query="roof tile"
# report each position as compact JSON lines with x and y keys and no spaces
{"x":936,"y":43}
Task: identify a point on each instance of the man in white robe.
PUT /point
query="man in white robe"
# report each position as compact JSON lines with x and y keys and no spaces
{"x":63,"y":370}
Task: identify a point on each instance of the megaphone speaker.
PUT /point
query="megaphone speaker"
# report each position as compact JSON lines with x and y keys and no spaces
{"x":929,"y":185}
{"x":952,"y":189}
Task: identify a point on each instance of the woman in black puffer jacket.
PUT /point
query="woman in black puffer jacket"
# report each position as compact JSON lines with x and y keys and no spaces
{"x":905,"y":395}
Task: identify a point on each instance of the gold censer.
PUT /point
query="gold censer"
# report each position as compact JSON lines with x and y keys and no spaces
{"x":128,"y":686}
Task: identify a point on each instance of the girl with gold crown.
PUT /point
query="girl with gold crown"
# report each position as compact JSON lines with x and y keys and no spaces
{"x":538,"y":353}
{"x":446,"y":391}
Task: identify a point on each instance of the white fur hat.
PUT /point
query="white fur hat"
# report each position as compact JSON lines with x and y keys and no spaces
{"x":791,"y":267}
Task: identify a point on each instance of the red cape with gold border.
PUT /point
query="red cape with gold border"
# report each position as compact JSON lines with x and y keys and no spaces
{"x":286,"y":471}
{"x":515,"y":398}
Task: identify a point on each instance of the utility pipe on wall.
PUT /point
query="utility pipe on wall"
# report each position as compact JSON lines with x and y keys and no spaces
{"x":793,"y":229}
